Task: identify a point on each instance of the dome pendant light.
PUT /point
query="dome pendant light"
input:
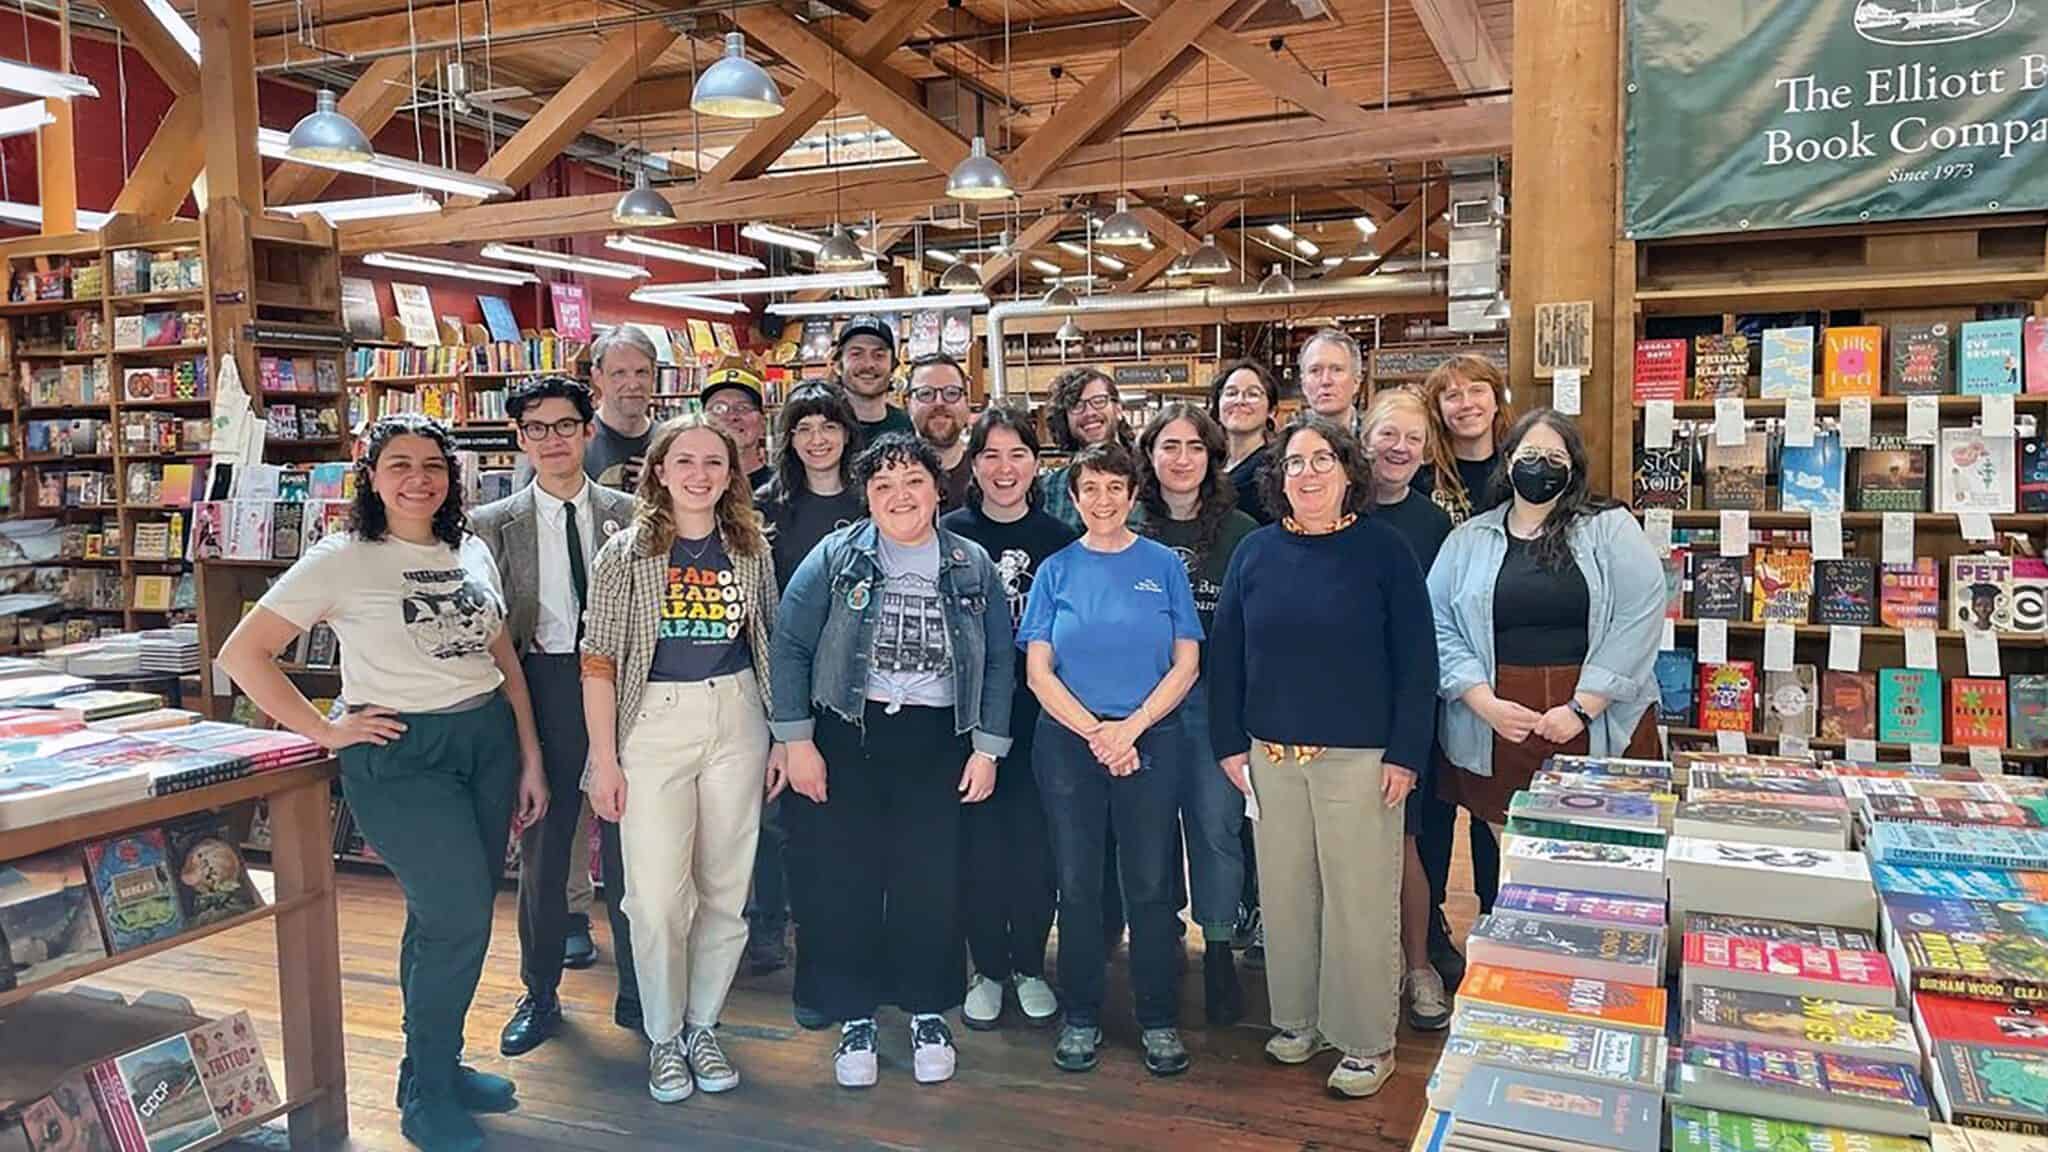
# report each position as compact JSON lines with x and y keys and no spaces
{"x":980,"y":176}
{"x":960,"y":278}
{"x":1068,"y":333}
{"x":1122,"y":229}
{"x":736,"y":87}
{"x":841,"y":253}
{"x":1059,"y":296}
{"x":642,"y":207}
{"x":1498,"y":309}
{"x":1207,"y":260}
{"x":1276,"y":283}
{"x":325,"y":136}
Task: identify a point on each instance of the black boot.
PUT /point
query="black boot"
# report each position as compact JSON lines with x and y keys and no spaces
{"x":1443,"y":954}
{"x":432,"y":1118}
{"x":1222,"y":995}
{"x":474,"y":1090}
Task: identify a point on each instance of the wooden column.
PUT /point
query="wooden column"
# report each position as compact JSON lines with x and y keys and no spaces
{"x":56,"y":152}
{"x":1566,"y":214}
{"x":233,"y":175}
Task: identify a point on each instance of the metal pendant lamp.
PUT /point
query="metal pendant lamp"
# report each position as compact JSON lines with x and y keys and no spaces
{"x":1069,"y":332}
{"x":642,"y":206}
{"x":736,"y":87}
{"x":325,"y":136}
{"x":1276,"y":283}
{"x":1498,"y":309}
{"x":1207,"y":260}
{"x":960,"y":278}
{"x":841,"y":253}
{"x":980,"y":176}
{"x":1060,"y":296}
{"x":1122,"y":229}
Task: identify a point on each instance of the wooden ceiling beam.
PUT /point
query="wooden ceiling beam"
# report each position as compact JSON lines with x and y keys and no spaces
{"x":1039,"y":233}
{"x":1259,"y":151}
{"x":1222,"y":33}
{"x":1150,"y":52}
{"x":371,"y":102}
{"x":1282,"y":77}
{"x":1156,"y":265}
{"x":620,"y":59}
{"x":439,"y":24}
{"x":57,"y":145}
{"x":176,"y":155}
{"x":1407,"y":226}
{"x":880,"y":102}
{"x":177,"y":69}
{"x":879,"y":242}
{"x":802,"y":108}
{"x":1462,"y":41}
{"x":228,"y":87}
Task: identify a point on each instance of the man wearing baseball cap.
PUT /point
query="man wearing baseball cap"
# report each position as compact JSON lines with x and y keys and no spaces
{"x":732,"y":401}
{"x":865,"y":359}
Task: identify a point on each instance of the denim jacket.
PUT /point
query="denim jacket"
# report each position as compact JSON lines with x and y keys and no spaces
{"x":1625,"y":584}
{"x":825,"y":631}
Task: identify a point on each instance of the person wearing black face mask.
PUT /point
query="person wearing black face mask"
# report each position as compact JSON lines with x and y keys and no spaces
{"x":1549,"y":609}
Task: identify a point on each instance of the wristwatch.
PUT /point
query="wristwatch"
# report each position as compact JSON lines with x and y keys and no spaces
{"x":1584,"y":716}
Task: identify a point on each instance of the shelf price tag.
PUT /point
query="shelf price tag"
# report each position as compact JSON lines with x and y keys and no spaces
{"x":1920,"y":648}
{"x":1924,"y":753}
{"x":1670,"y":641}
{"x":1795,"y":744}
{"x":1657,"y":424}
{"x":1898,"y":538}
{"x":1778,"y":637}
{"x":1799,"y":422}
{"x":1731,"y":743}
{"x":1986,"y":760}
{"x":1564,"y":391}
{"x":1995,"y":417}
{"x":1980,"y":646}
{"x":1856,"y":422}
{"x":1861,"y":751}
{"x":1923,"y":419}
{"x":1976,"y":526}
{"x":1713,"y":641}
{"x":1657,"y":526}
{"x":1731,"y":422}
{"x":1825,"y":528}
{"x":1734,"y":532}
{"x":1845,"y":648}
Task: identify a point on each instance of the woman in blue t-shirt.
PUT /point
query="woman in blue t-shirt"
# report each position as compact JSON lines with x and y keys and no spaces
{"x":1112,"y":644}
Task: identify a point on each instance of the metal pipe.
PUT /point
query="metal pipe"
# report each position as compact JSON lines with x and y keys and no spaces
{"x":1353,"y":288}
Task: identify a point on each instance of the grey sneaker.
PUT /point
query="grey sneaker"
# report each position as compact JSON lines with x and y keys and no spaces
{"x":1165,"y":1055}
{"x":707,"y":1059}
{"x":932,"y":1056}
{"x":1037,"y":1000}
{"x":1356,"y":1077}
{"x":668,"y":1072}
{"x":1296,"y":1047}
{"x":1429,"y":1009}
{"x":854,"y":1064}
{"x":1077,"y":1048}
{"x":983,"y":1007}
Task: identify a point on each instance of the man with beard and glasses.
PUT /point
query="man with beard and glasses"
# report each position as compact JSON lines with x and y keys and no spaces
{"x":865,"y":359}
{"x":938,"y":410}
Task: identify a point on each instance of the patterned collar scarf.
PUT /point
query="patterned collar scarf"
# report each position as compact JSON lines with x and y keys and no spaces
{"x":1295,"y":526}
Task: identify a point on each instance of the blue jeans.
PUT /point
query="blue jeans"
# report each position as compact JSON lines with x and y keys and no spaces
{"x":1212,"y":821}
{"x":1082,"y":803}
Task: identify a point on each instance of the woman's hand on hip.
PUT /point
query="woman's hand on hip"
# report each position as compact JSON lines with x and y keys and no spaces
{"x":1238,"y":769}
{"x":1396,"y":783}
{"x":1560,"y":725}
{"x":804,"y":766}
{"x":533,"y":793}
{"x":978,"y":779}
{"x":607,"y":791}
{"x":778,"y":771}
{"x":371,"y":725}
{"x":1510,"y":721}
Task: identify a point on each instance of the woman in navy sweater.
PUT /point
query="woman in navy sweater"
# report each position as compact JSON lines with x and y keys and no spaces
{"x":1329,"y":760}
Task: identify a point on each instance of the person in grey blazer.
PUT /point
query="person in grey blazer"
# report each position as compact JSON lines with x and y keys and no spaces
{"x":544,"y":556}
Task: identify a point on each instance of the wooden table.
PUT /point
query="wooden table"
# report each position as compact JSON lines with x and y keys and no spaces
{"x":308,"y":939}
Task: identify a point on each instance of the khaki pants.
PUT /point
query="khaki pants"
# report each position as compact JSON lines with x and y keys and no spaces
{"x":582,"y":889}
{"x":1329,"y":857}
{"x":694,"y":765}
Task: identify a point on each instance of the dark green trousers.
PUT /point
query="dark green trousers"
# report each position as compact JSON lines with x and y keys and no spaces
{"x":437,"y":805}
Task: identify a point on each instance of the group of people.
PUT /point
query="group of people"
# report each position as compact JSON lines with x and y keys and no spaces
{"x":903,"y":685}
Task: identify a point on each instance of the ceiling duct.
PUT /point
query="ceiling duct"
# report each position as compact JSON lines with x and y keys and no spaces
{"x":1475,"y":216}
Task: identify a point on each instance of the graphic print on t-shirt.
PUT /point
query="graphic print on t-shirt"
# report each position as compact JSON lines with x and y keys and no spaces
{"x":448,"y":614}
{"x":701,"y":606}
{"x":910,"y":632}
{"x":1207,"y":592}
{"x":1014,"y":565}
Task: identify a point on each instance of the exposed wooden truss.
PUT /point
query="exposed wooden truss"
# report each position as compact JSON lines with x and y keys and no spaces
{"x":1461,"y":39}
{"x":1039,"y":233}
{"x":1153,"y":268}
{"x":432,"y":25}
{"x":371,"y":102}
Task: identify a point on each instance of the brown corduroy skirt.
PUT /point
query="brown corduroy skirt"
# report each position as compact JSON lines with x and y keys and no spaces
{"x":1539,"y":689}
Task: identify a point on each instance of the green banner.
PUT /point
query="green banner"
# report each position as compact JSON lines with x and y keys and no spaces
{"x":1754,"y":114}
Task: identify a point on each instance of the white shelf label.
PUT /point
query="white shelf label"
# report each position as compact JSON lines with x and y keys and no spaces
{"x":1861,"y":751}
{"x":1731,"y":743}
{"x":1670,"y":641}
{"x":1657,"y":526}
{"x":1987,"y":761}
{"x":1920,"y":649}
{"x":1898,"y":538}
{"x":1795,"y":744}
{"x":1731,"y":422}
{"x":1564,"y":391}
{"x":1845,"y":648}
{"x":1980,"y":646}
{"x":1713,"y":642}
{"x":1975,"y":526}
{"x":1923,"y":419}
{"x":1996,"y":415}
{"x":1657,"y":424}
{"x":1799,"y":422}
{"x":1924,"y":753}
{"x":1734,"y":532}
{"x":1778,"y":646}
{"x":1856,"y":422}
{"x":1825,"y":528}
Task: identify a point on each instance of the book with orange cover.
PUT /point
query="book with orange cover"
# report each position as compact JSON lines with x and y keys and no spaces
{"x":1606,"y":1002}
{"x":1853,"y":361}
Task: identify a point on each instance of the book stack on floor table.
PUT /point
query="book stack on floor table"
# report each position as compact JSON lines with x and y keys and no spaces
{"x":1858,"y":955}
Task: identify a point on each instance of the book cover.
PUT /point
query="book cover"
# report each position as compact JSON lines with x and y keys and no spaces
{"x":164,"y":1087}
{"x":1727,"y":696}
{"x":46,"y":916}
{"x":1617,"y":868}
{"x":1959,"y":883}
{"x":1720,"y":587}
{"x":1954,"y":914}
{"x":2033,"y":479}
{"x":2034,"y":341}
{"x":1787,"y":363}
{"x":1991,"y":357}
{"x":1975,"y":473}
{"x":1821,"y":1074}
{"x":1610,"y":766}
{"x":1848,"y":705}
{"x":2005,"y":967}
{"x":1757,"y":863}
{"x":1891,"y":475}
{"x":1711,"y":958}
{"x":1590,"y":907}
{"x":1660,"y":370}
{"x":1759,"y":820}
{"x":1782,"y":585}
{"x":67,"y":1120}
{"x":1608,"y":1002}
{"x":1909,"y":595}
{"x":1557,"y":1109}
{"x":213,"y":884}
{"x":1634,"y":812}
{"x":2027,"y":710}
{"x":1992,"y":1086}
{"x":1909,"y":706}
{"x":1845,"y":591}
{"x":1663,"y":476}
{"x":1854,"y":357}
{"x":1810,"y":479}
{"x":1677,"y":568}
{"x":1790,"y":704}
{"x":1808,"y":1022}
{"x":1780,"y":931}
{"x":1734,"y":477}
{"x":1956,"y":846}
{"x":1922,"y":361}
{"x":232,"y":1069}
{"x":1709,"y":1130}
{"x":1482,"y":1036}
{"x":1720,"y":366}
{"x":1976,"y":712}
{"x":1676,"y":686}
{"x":132,"y":885}
{"x":1980,"y":592}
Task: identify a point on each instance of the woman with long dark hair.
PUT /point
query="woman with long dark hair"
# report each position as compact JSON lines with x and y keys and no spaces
{"x":676,"y":679}
{"x":1082,"y":411}
{"x":1242,"y":397}
{"x":1187,"y":503}
{"x":440,"y":759}
{"x":1548,"y":613}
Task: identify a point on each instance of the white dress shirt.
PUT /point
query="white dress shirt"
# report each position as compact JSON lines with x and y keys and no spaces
{"x":555,"y":628}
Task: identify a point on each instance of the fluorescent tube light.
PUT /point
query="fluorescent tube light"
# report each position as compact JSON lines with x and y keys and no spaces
{"x":1045,"y":266}
{"x":365,"y":207}
{"x":21,"y":119}
{"x":1279,"y":232}
{"x":682,"y":253}
{"x":275,"y":144}
{"x":32,"y":216}
{"x":782,"y":237}
{"x":1071,"y":248}
{"x":1365,"y":225}
{"x":711,"y":304}
{"x":30,"y":80}
{"x":1110,"y":262}
{"x":435,"y":266}
{"x":866,"y":278}
{"x":541,"y":258}
{"x":1332,"y":261}
{"x":941,"y":255}
{"x":1307,"y":247}
{"x":880,"y":304}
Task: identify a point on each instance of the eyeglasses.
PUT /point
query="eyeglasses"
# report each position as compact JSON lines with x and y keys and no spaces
{"x":569,"y":427}
{"x":1095,"y":403}
{"x":1321,"y":463}
{"x":1529,"y":454}
{"x":1243,"y":395}
{"x":951,"y":394}
{"x":723,"y":408}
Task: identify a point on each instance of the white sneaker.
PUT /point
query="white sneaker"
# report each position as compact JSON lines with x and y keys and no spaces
{"x":984,"y":1003}
{"x":854,"y":1063}
{"x":1357,"y":1077}
{"x":932,"y":1057}
{"x":1036,"y":998}
{"x":1293,"y":1047}
{"x":707,"y":1060}
{"x":668,"y":1072}
{"x":1429,"y":1009}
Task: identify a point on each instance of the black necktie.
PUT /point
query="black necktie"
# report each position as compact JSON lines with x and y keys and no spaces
{"x":578,"y":577}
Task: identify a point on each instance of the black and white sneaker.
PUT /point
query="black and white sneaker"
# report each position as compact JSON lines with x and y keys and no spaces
{"x":854,"y":1063}
{"x":931,"y":1049}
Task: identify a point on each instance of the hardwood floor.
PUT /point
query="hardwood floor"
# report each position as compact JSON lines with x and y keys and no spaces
{"x":586,"y":1089}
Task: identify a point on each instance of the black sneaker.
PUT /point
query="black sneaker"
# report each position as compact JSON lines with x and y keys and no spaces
{"x":1078,"y":1048}
{"x":439,"y":1124}
{"x":1165,"y":1055}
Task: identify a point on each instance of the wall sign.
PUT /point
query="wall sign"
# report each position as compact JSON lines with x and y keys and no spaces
{"x":1149,"y":375}
{"x":1782,"y":113}
{"x":1564,"y":338}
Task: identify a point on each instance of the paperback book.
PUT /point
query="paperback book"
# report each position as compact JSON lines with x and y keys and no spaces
{"x":1530,"y":1109}
{"x":1601,"y":952}
{"x":1663,"y":476}
{"x":1811,"y":479}
{"x":1936,"y":846}
{"x":1605,"y":1002}
{"x":1854,"y":359}
{"x":1612,"y":868}
{"x":1782,"y":585}
{"x":1976,"y":711}
{"x":1748,"y":964}
{"x":1787,"y":363}
{"x":1709,"y":1130}
{"x":1720,"y":587}
{"x":1760,"y":821}
{"x":1814,"y":1087}
{"x":1865,"y":1031}
{"x":1720,"y":366}
{"x":133,"y":888}
{"x":1660,"y":370}
{"x":2004,"y":967}
{"x":1790,"y":702}
{"x":1909,"y":706}
{"x":1733,"y":477}
{"x":1909,"y":595}
{"x":1991,"y":357}
{"x":1922,"y":361}
{"x":1727,"y":701}
{"x":1676,"y":684}
{"x":1548,"y":1044}
{"x":1891,"y":475}
{"x":1975,"y":473}
{"x":1845,"y":591}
